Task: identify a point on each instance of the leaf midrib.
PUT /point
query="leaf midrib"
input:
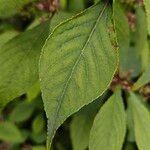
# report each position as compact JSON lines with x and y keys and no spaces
{"x":72,"y":71}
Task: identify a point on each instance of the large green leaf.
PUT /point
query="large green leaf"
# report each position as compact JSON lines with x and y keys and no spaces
{"x":82,"y":123}
{"x":19,"y":62}
{"x":9,"y":132}
{"x":11,"y":7}
{"x":109,"y":126}
{"x":141,"y":117}
{"x":144,"y":79}
{"x":77,"y":64}
{"x":147,"y":7}
{"x":123,"y":34}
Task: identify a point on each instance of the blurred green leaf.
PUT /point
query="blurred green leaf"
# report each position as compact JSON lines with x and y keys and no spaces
{"x":145,"y":56}
{"x":144,"y":79}
{"x":109,"y":127}
{"x":130,"y":146}
{"x":11,"y":7}
{"x":76,"y":5}
{"x":123,"y":34}
{"x":141,"y":117}
{"x":96,"y":1}
{"x":9,"y":132}
{"x":38,"y":138}
{"x":33,"y":92}
{"x":25,"y":52}
{"x":21,"y":112}
{"x":6,"y":36}
{"x":63,"y":4}
{"x":19,"y":62}
{"x":38,"y":124}
{"x":137,"y":43}
{"x":39,"y":147}
{"x":130,"y":126}
{"x":147,"y":7}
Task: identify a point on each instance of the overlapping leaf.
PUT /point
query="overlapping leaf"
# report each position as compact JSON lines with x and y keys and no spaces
{"x":109,"y":126}
{"x":77,"y":64}
{"x":19,"y":62}
{"x":83,"y":121}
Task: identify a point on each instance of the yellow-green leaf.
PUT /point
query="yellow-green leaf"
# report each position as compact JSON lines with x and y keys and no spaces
{"x":11,"y":7}
{"x":77,"y":64}
{"x":6,"y":36}
{"x":147,"y":7}
{"x":141,"y":118}
{"x":9,"y":132}
{"x":144,"y":79}
{"x":123,"y":34}
{"x":109,"y":126}
{"x":19,"y":62}
{"x":82,"y":123}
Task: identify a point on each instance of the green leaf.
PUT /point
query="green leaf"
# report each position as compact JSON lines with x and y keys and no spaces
{"x":109,"y":126}
{"x":130,"y":146}
{"x":42,"y":147}
{"x":140,"y":35}
{"x":130,"y":54}
{"x":76,"y":5}
{"x":11,"y":7}
{"x":144,"y":79}
{"x":130,"y":126}
{"x":147,"y":7}
{"x":6,"y":36}
{"x":123,"y":34}
{"x":137,"y":44}
{"x":21,"y":112}
{"x":145,"y":55}
{"x":39,"y":138}
{"x":141,"y":117}
{"x":38,"y":124}
{"x":33,"y":92}
{"x":82,"y":123}
{"x":9,"y":132}
{"x":77,"y":64}
{"x":19,"y":62}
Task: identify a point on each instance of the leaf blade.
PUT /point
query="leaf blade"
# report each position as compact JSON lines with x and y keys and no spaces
{"x":144,"y":79}
{"x":20,"y":71}
{"x":112,"y":114}
{"x":147,"y":7}
{"x":82,"y":123}
{"x":62,"y":86}
{"x":141,"y":118}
